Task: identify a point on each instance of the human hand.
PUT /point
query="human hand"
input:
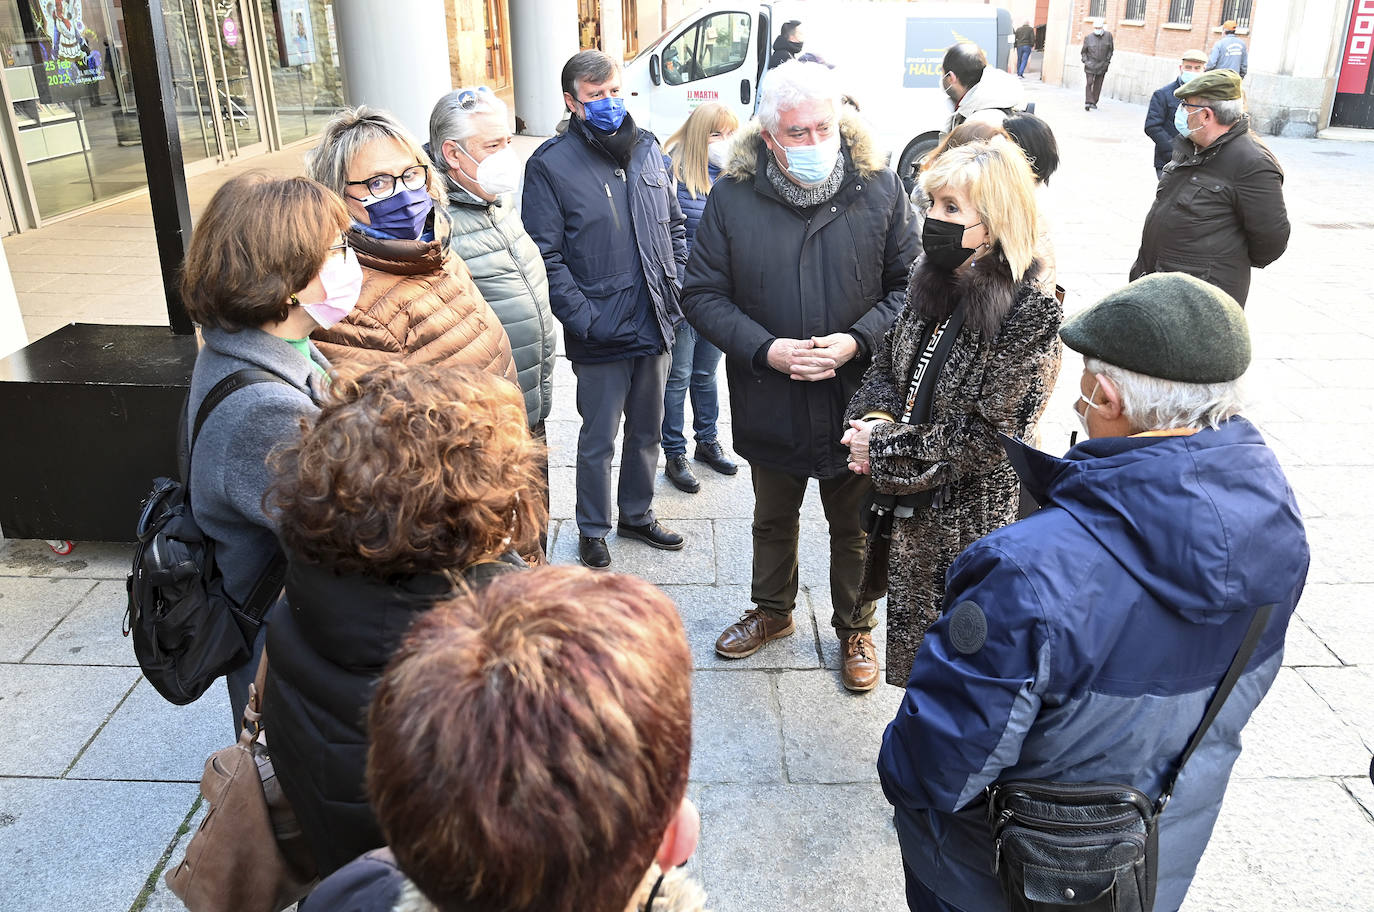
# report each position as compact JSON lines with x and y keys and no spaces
{"x":839,"y":347}
{"x":798,"y":359}
{"x":857,"y":438}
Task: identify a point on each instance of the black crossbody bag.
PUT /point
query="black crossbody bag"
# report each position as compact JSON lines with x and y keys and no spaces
{"x":1091,"y":846}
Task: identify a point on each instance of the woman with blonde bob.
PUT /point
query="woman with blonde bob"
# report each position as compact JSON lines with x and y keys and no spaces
{"x":417,"y":482}
{"x":695,"y":156}
{"x":989,"y":337}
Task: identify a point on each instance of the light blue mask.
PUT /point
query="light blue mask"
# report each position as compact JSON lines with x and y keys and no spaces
{"x":1181,"y":120}
{"x":813,"y":164}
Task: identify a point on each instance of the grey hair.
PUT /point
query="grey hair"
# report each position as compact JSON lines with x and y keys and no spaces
{"x":1155,"y":404}
{"x":1229,"y":111}
{"x":587,"y":66}
{"x":792,"y":85}
{"x":347,"y":133}
{"x":450,"y":120}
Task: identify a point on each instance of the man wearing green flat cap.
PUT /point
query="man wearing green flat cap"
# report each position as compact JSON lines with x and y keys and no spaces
{"x":1219,"y":209}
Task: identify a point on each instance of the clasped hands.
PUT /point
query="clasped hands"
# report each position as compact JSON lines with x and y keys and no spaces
{"x":816,"y":358}
{"x":857,"y":438}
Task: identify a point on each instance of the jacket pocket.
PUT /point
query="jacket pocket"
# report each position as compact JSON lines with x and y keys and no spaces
{"x":1206,"y":198}
{"x":613,"y":300}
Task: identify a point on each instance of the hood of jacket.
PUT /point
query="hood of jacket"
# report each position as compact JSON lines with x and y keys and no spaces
{"x":1224,"y":486}
{"x":402,"y":257}
{"x":995,"y":89}
{"x":855,"y":136}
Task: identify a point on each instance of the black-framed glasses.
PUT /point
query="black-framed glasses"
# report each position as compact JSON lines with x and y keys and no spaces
{"x":468,"y":98}
{"x":1189,"y":104}
{"x":381,"y":186}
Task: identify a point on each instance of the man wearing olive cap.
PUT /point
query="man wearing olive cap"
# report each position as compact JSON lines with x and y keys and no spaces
{"x":1219,"y":209}
{"x":1159,"y":119}
{"x":1083,"y":643}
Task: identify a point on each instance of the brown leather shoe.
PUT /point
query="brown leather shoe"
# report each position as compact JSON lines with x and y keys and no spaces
{"x":747,"y":635}
{"x":858,"y":662}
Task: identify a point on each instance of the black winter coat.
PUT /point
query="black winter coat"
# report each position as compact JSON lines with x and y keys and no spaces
{"x":328,"y":642}
{"x":1159,"y":124}
{"x":762,"y":269}
{"x":612,"y":240}
{"x":1217,"y":212}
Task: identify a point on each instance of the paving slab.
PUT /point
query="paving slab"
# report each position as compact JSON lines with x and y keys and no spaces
{"x":92,"y":634}
{"x":1340,"y":550}
{"x":736,"y":729}
{"x":1274,"y":743}
{"x":30,"y":608}
{"x":1349,"y":692}
{"x":830,"y":735}
{"x":720,"y":495}
{"x":1327,"y":443}
{"x":162,"y":898}
{"x":708,"y":610}
{"x":90,"y":560}
{"x":1335,"y":493}
{"x":1262,"y":857}
{"x":693,"y":564}
{"x":149,"y":738}
{"x":1342,"y":617}
{"x":1302,"y":647}
{"x":85,"y":845}
{"x":819,"y":597}
{"x":49,"y":712}
{"x":799,"y":847}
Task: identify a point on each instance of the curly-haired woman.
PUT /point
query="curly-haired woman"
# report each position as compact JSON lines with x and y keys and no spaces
{"x":415,"y":482}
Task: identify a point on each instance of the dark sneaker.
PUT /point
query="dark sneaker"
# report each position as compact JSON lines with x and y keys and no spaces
{"x":749,"y":634}
{"x":593,"y":552}
{"x":680,"y":474}
{"x":711,"y":453}
{"x":653,"y":534}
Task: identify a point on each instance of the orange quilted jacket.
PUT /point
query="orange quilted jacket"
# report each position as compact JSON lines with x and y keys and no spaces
{"x":419,"y":303}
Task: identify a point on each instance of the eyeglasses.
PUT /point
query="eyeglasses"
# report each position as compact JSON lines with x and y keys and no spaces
{"x":1187,"y":104}
{"x":468,"y":98}
{"x":381,"y":186}
{"x":340,"y":248}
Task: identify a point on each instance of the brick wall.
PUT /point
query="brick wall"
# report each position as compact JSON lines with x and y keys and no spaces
{"x":1155,"y":36}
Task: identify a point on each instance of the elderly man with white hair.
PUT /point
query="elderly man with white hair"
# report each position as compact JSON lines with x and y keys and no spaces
{"x":1084,"y":644}
{"x":799,"y":267}
{"x":470,"y":144}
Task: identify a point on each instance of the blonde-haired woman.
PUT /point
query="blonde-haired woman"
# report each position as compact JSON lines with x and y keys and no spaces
{"x":988,"y":337}
{"x":695,"y":155}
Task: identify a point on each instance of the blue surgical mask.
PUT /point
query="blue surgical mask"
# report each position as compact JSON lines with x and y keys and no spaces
{"x":1181,"y":119}
{"x":1187,"y":76}
{"x":813,"y":164}
{"x":606,"y":114}
{"x":401,"y":215}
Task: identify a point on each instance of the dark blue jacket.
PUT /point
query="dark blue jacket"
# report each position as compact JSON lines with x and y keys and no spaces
{"x":613,"y":242}
{"x":692,"y":207}
{"x":1111,"y":615}
{"x":1159,"y":123}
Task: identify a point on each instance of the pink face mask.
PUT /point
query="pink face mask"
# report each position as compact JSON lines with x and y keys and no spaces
{"x":342,"y":279}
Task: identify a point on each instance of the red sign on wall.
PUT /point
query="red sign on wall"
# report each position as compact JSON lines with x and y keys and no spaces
{"x":1359,"y":44}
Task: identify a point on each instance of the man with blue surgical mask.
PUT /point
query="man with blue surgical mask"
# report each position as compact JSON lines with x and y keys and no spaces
{"x":604,"y":214}
{"x":798,"y":268}
{"x":1159,"y":120}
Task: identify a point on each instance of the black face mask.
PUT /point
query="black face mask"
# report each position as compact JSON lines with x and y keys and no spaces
{"x":793,"y":46}
{"x":943,"y":243}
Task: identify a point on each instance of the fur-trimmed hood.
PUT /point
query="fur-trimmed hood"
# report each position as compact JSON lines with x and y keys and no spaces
{"x":855,"y":137}
{"x":679,"y":893}
{"x":988,"y":291}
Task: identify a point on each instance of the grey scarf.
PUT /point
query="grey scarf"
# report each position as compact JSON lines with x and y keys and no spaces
{"x":806,"y":197}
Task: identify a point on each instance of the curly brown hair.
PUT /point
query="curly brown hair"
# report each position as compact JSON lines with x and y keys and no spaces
{"x":411,"y":468}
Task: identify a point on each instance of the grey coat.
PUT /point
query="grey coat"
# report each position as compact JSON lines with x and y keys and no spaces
{"x":509,"y":271}
{"x":229,"y":473}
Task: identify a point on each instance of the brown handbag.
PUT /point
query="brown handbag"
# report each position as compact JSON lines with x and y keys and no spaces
{"x":249,"y":854}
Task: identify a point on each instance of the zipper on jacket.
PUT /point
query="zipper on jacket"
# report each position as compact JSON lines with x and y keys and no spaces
{"x":610,"y":201}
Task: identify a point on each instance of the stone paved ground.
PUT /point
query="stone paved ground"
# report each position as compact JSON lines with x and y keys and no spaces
{"x":97,"y":773}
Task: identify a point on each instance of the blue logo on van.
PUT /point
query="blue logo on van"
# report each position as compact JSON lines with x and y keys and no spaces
{"x":928,"y":39}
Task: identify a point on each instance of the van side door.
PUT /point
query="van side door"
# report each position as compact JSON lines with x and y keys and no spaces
{"x":715,"y":58}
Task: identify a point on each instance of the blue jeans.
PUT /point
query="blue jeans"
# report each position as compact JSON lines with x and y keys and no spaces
{"x":1022,"y":58}
{"x":694,"y":368}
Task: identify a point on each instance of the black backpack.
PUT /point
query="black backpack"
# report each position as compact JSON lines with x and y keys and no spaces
{"x":187,"y":630}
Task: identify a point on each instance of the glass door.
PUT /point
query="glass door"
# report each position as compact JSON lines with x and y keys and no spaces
{"x":232,"y":85}
{"x":192,"y":90}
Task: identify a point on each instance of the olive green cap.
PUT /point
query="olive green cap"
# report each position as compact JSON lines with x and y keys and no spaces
{"x":1215,"y":85}
{"x":1166,"y":325}
{"x":1193,"y":55}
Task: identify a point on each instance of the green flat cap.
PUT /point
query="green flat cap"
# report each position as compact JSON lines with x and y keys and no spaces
{"x":1217,"y":85}
{"x":1166,"y":325}
{"x":1194,"y":55}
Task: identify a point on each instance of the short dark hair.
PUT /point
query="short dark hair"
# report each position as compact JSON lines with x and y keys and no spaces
{"x":789,"y":28}
{"x":530,"y":742}
{"x":587,"y":66}
{"x":965,"y":60}
{"x":260,"y":240}
{"x":1036,"y":139}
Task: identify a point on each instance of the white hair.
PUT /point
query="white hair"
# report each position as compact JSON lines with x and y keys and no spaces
{"x":792,"y":85}
{"x":1228,"y":111}
{"x":1155,"y":404}
{"x":455,"y":115}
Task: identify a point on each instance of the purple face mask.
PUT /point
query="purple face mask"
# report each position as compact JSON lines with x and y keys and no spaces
{"x":401,"y":215}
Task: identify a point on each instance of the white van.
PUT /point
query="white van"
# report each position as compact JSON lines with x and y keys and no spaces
{"x":887,"y":56}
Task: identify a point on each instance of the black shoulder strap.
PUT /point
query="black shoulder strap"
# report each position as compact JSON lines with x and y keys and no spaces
{"x":222,"y":390}
{"x":1242,"y":658}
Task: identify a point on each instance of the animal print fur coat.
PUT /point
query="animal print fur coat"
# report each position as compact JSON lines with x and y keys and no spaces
{"x":997,"y":379}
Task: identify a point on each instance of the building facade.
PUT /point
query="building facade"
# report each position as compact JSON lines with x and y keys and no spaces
{"x":1309,"y":60}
